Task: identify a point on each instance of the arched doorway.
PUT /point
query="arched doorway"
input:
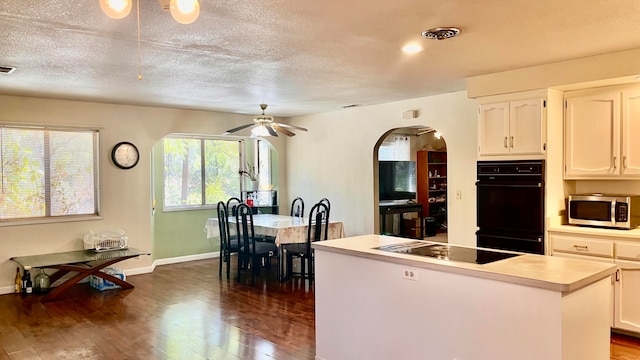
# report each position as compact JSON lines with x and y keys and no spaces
{"x":411,"y":168}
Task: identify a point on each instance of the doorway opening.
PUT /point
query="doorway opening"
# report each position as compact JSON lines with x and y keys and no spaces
{"x":410,"y":183}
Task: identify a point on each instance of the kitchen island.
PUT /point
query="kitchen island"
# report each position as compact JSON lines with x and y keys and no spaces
{"x":375,"y":299}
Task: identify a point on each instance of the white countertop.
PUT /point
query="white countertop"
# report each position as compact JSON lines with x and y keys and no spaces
{"x":633,"y":234}
{"x":547,"y":272}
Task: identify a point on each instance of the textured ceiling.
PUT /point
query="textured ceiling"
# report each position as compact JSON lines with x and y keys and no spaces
{"x":299,"y":56}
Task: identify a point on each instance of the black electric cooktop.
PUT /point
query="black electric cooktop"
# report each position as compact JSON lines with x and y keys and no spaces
{"x":447,"y":252}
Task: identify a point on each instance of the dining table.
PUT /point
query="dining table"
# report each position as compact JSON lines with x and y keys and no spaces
{"x":284,"y":229}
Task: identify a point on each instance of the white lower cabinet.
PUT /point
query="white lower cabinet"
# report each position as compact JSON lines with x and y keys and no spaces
{"x":627,"y":287}
{"x":581,"y":248}
{"x":626,"y":280}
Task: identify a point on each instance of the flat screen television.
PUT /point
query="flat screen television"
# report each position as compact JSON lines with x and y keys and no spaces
{"x":397,"y":180}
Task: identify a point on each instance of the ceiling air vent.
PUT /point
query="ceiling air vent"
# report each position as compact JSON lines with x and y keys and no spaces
{"x":441,"y":33}
{"x":6,"y":69}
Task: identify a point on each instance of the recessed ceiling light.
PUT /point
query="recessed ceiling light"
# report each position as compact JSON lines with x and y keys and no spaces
{"x":441,"y":33}
{"x":411,"y":49}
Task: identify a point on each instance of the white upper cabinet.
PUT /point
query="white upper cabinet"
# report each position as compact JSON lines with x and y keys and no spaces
{"x":599,"y":129}
{"x":630,"y":132}
{"x":511,"y":128}
{"x":592,"y":123}
{"x":494,"y":129}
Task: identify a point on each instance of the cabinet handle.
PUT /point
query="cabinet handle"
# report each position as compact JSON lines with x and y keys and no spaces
{"x":505,"y":142}
{"x":581,"y":247}
{"x":614,"y":162}
{"x":618,"y":275}
{"x":512,"y":141}
{"x":624,"y":162}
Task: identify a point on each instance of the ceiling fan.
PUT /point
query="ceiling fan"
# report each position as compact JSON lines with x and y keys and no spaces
{"x":429,"y":130}
{"x":263,"y":125}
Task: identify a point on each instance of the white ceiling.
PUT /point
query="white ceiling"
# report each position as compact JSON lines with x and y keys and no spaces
{"x":299,"y":56}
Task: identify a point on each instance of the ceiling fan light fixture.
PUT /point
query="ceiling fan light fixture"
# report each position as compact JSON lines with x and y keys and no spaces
{"x":264,"y":125}
{"x":260,"y":131}
{"x":184,"y":11}
{"x":116,"y":9}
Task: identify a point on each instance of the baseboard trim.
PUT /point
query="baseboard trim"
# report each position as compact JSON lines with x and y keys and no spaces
{"x":173,"y":260}
{"x":144,"y":270}
{"x":186,"y":258}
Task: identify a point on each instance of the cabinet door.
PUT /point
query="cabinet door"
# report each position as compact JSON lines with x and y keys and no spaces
{"x":493,"y":130}
{"x":627,"y":293}
{"x":525,"y":127}
{"x":630,"y":129}
{"x":592,"y":124}
{"x":593,"y":258}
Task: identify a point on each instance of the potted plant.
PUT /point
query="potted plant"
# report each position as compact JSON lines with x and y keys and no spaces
{"x":250,"y":172}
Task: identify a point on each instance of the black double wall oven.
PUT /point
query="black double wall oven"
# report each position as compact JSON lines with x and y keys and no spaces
{"x":510,"y":205}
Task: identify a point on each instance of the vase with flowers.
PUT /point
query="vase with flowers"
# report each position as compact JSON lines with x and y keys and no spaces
{"x":250,"y":172}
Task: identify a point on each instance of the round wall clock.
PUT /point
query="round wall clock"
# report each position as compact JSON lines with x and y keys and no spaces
{"x":125,"y":155}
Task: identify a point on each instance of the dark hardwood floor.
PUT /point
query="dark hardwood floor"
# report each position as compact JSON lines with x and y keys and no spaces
{"x":180,"y":311}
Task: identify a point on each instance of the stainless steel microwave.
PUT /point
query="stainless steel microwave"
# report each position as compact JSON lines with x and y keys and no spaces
{"x":603,"y":210}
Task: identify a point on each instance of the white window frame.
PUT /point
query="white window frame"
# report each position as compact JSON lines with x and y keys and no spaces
{"x":97,"y":215}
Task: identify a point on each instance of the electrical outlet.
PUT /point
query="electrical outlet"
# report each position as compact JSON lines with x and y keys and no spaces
{"x":458,"y":194}
{"x":410,"y":274}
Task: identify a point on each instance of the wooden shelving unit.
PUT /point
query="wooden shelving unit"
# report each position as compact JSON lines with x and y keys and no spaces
{"x":432,"y":186}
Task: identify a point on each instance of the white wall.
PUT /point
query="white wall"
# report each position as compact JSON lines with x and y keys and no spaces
{"x":334,"y":159}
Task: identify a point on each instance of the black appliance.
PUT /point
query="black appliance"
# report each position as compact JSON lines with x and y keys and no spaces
{"x":447,"y":252}
{"x":397,"y":180}
{"x":510,"y":205}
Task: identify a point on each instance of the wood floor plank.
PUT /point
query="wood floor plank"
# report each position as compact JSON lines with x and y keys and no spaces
{"x":180,"y":311}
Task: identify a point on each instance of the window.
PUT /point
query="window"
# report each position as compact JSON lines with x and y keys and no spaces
{"x":395,"y":148}
{"x":199,"y":171}
{"x":47,"y":173}
{"x":264,"y":162}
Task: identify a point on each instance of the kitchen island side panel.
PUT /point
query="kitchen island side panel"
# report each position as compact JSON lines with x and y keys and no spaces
{"x":366,"y":309}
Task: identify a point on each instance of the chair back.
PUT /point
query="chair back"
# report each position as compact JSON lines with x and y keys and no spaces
{"x":232,"y":205}
{"x":318,"y":228}
{"x":244,"y":224}
{"x":326,"y":202}
{"x":223,"y":225}
{"x":297,"y":207}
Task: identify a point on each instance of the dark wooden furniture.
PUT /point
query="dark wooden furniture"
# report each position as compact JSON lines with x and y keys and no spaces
{"x":432,"y":185}
{"x":317,"y":230}
{"x":415,"y":229}
{"x":228,"y":244}
{"x":252,"y":252}
{"x":297,"y":207}
{"x":83,"y":262}
{"x":264,"y":201}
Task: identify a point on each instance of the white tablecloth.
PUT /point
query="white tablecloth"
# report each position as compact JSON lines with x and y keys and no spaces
{"x":286,"y":229}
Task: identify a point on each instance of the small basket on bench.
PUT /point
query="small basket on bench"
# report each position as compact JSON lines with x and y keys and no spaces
{"x":113,"y":239}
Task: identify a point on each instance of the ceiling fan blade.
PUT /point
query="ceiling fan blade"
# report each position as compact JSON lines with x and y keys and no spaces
{"x":271,"y":131}
{"x":237,"y":129}
{"x":425,"y":131}
{"x":292,"y":127}
{"x":283,"y":130}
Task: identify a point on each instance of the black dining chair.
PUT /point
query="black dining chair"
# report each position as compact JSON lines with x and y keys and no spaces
{"x":317,"y":230}
{"x":326,"y":202}
{"x":232,"y":204}
{"x":252,"y":252}
{"x":297,"y":207}
{"x":228,"y":245}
